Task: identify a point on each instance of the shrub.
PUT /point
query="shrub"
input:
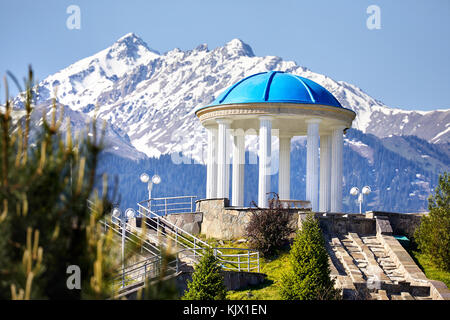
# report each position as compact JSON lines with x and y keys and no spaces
{"x":433,"y":234}
{"x":269,"y":228}
{"x":309,"y":277}
{"x":207,"y":281}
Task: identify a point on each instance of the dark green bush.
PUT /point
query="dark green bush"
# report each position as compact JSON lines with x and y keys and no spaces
{"x":309,"y":277}
{"x":269,"y":228}
{"x":433,"y":234}
{"x":207,"y":281}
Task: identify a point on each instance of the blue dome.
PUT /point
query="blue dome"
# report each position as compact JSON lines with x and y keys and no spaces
{"x":276,"y":87}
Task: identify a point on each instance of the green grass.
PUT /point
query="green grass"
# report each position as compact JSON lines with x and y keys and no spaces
{"x":273,"y":268}
{"x":268,"y":290}
{"x":430,"y":270}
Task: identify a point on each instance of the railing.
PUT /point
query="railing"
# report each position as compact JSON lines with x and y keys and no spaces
{"x":136,"y":275}
{"x":297,"y":204}
{"x":146,"y":246}
{"x":188,"y":246}
{"x":238,"y":259}
{"x":143,"y":270}
{"x":143,"y":242}
{"x":194,"y":247}
{"x":167,"y":230}
{"x":169,"y":205}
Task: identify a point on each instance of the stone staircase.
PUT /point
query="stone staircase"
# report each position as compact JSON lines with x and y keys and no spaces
{"x":364,"y":269}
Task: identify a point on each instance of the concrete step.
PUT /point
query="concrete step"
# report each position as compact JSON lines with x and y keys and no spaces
{"x":347,"y":261}
{"x":382,"y":295}
{"x":407,"y":296}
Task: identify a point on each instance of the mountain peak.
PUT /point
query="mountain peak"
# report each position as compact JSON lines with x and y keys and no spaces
{"x":131,"y":40}
{"x":202,"y":47}
{"x":239,"y":47}
{"x":130,"y":35}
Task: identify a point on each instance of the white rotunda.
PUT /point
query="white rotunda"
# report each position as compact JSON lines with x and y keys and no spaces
{"x":295,"y":106}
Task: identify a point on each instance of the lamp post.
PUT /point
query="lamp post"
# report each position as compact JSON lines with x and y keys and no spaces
{"x":355,"y":192}
{"x":123,"y":218}
{"x":145,"y":178}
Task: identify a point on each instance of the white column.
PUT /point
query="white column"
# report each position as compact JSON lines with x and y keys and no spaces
{"x":211,"y":166}
{"x":237,"y":188}
{"x":284,"y":176}
{"x":325,"y":174}
{"x":337,"y":145}
{"x":312,"y":163}
{"x":223,"y":162}
{"x":265,"y":152}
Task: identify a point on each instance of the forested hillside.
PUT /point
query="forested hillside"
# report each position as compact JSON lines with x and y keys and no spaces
{"x":399,"y":183}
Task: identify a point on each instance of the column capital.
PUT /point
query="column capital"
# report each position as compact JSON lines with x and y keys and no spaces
{"x":313,"y":120}
{"x":224,"y":121}
{"x":238,"y":132}
{"x":338,"y":127}
{"x":284,"y":135}
{"x":266,"y":117}
{"x":210,"y":126}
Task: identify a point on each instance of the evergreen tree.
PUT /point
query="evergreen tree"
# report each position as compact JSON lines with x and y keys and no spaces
{"x":433,"y":234}
{"x":46,"y":223}
{"x":309,"y":277}
{"x":207,"y":281}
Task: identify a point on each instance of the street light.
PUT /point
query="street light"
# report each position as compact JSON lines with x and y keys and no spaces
{"x":116,"y":215}
{"x":145,"y":178}
{"x":355,"y":192}
{"x":123,"y":218}
{"x":130,"y":213}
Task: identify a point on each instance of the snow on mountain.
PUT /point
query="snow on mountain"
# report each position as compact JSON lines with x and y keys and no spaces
{"x":115,"y":141}
{"x":80,"y":84}
{"x":151,"y":96}
{"x":361,"y":148}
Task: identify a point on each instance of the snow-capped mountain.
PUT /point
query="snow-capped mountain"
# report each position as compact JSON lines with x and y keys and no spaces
{"x":151,"y":96}
{"x":114,"y":140}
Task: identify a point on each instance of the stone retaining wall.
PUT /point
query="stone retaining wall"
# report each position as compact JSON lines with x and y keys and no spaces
{"x":224,"y":222}
{"x":233,"y":280}
{"x":401,"y":223}
{"x":221,"y":221}
{"x":190,"y":222}
{"x":335,"y":223}
{"x":215,"y":218}
{"x":413,"y":274}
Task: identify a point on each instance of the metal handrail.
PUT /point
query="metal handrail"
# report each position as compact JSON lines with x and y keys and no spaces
{"x":250,"y":264}
{"x":177,"y":197}
{"x":135,"y":266}
{"x":116,"y":224}
{"x":148,"y":268}
{"x":186,"y":243}
{"x":167,"y":222}
{"x":181,"y":237}
{"x":127,"y":225}
{"x":196,"y":242}
{"x":298,"y":204}
{"x":168,"y":206}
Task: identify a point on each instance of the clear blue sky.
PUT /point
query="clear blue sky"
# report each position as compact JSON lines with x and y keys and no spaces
{"x":404,"y":64}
